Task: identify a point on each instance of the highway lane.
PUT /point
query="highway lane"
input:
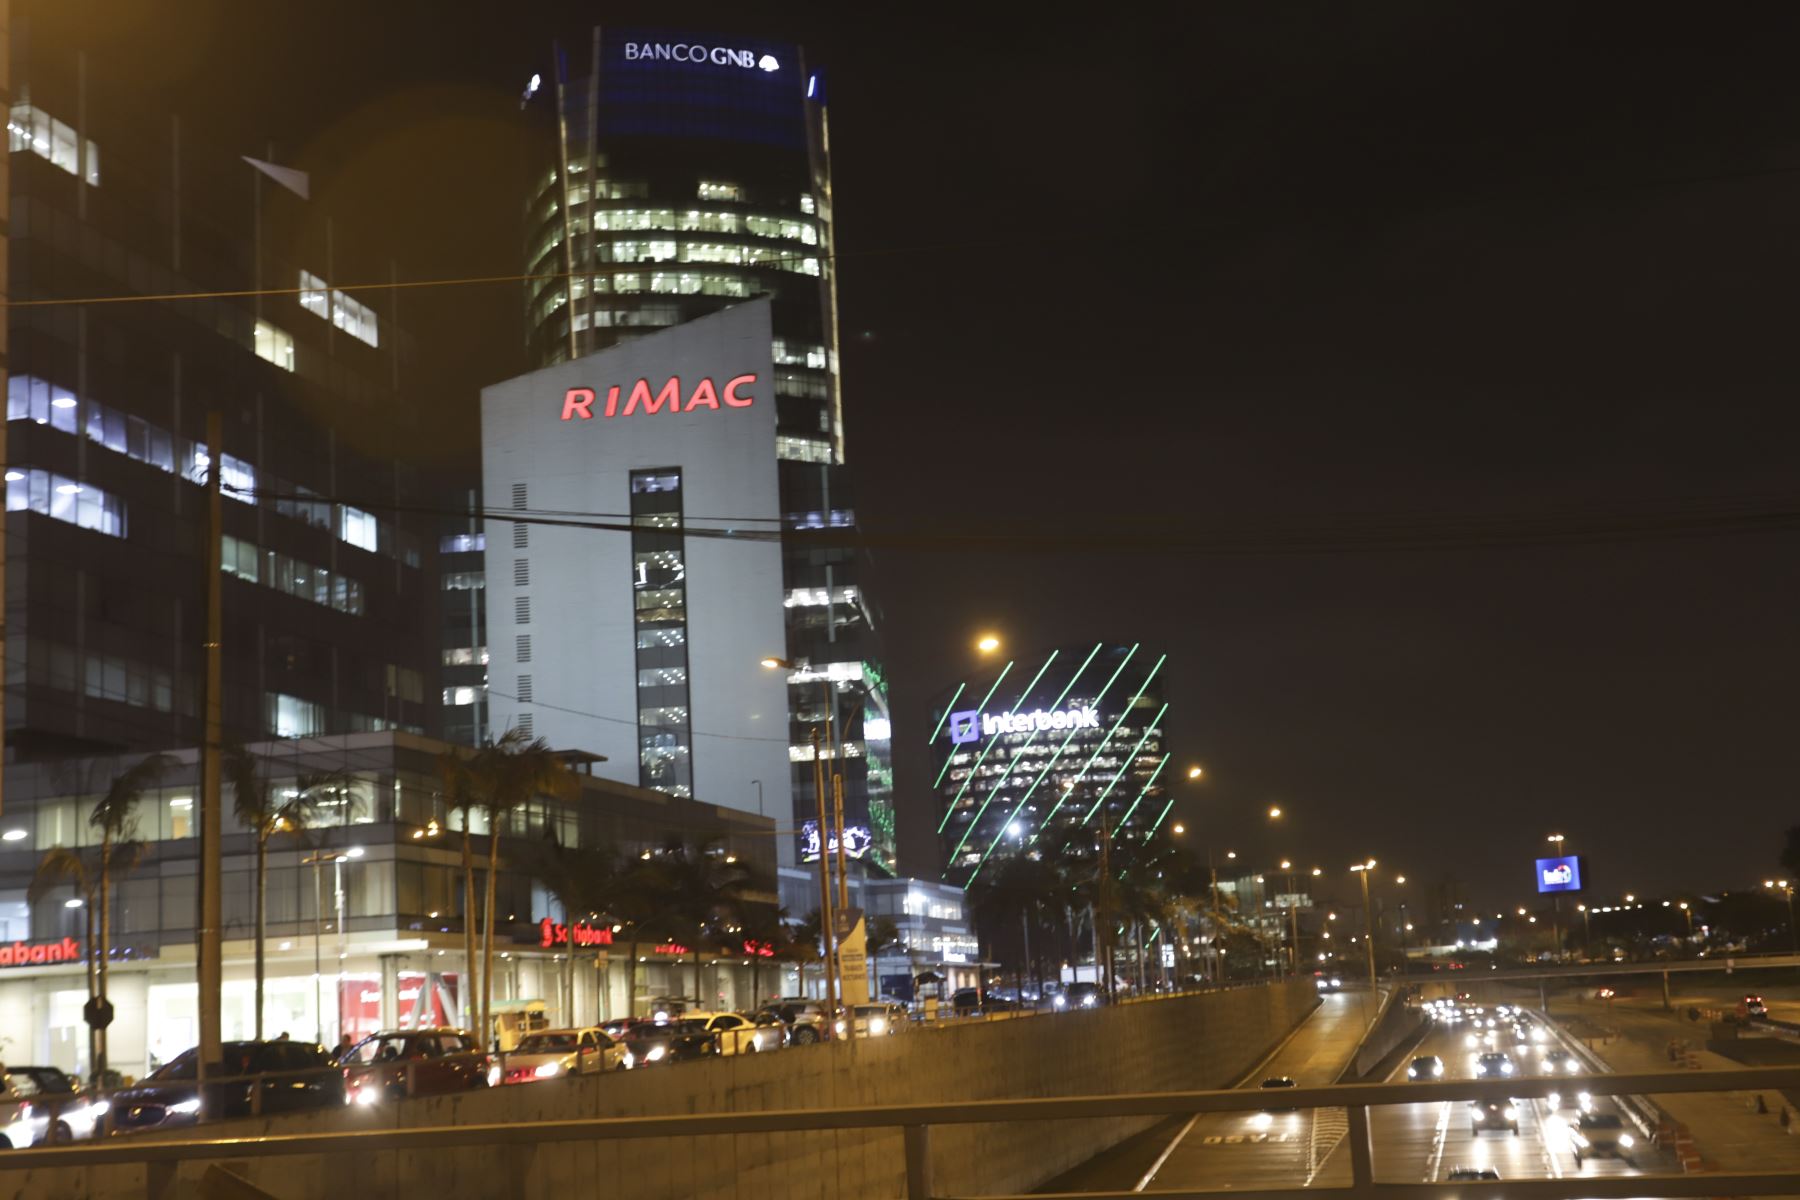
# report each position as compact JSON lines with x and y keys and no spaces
{"x":1275,"y":1149}
{"x":1425,"y":1142}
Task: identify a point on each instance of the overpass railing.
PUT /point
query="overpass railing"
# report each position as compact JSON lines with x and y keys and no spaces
{"x":915,"y":1123}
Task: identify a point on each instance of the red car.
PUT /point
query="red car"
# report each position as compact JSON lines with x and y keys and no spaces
{"x":439,"y":1061}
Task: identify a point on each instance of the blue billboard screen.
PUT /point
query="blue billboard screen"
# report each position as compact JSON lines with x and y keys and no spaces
{"x":1559,"y":874}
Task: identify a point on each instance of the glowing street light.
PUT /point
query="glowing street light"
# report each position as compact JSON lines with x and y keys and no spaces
{"x":1178,"y":828}
{"x":1274,"y":813}
{"x":987,"y":643}
{"x":1196,"y":772}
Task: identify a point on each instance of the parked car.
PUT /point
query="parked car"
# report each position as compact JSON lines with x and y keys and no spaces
{"x":1596,"y":1133}
{"x":1428,"y":1066}
{"x":440,"y":1061}
{"x":554,"y":1053}
{"x":736,"y":1033}
{"x":668,"y":1042}
{"x":292,"y":1076}
{"x":881,"y":1019}
{"x":1493,"y":1114}
{"x":804,"y":1019}
{"x":966,"y":1002}
{"x":51,"y":1095}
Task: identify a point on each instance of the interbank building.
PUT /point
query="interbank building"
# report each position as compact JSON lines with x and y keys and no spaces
{"x":1044,"y":744}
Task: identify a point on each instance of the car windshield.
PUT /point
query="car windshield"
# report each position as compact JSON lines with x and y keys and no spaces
{"x":377,"y":1050}
{"x":1279,"y":1081}
{"x":1601,"y":1121}
{"x":549,"y":1043}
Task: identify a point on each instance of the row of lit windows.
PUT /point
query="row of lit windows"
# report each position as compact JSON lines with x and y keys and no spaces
{"x":29,"y":398}
{"x":650,"y":316}
{"x":289,"y":575}
{"x":638,"y":220}
{"x":802,"y":449}
{"x":100,"y":676}
{"x":328,"y":303}
{"x":799,"y":354}
{"x":33,"y":129}
{"x":274,"y":345}
{"x":466,"y":656}
{"x":62,"y":499}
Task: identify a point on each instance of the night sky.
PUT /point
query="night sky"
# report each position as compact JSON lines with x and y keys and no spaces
{"x":1306,"y":306}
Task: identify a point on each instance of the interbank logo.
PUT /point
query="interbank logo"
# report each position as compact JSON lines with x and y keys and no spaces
{"x":973,"y":724}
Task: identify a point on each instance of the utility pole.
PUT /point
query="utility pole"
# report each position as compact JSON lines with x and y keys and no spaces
{"x":827,"y":929}
{"x":1103,"y":933}
{"x":1364,"y":869}
{"x":211,"y":793}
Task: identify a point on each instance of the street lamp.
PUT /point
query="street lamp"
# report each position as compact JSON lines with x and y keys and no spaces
{"x":1178,"y":828}
{"x":987,"y":643}
{"x":1196,"y":772}
{"x":1787,"y":889}
{"x":1364,"y":870}
{"x":1274,"y":813}
{"x":1689,"y":914}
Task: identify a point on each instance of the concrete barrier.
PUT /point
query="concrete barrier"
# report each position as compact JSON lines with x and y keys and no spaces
{"x":1188,"y":1042}
{"x":1396,"y":1024}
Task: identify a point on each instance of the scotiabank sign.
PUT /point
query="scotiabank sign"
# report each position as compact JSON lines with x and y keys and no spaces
{"x":579,"y":403}
{"x":37,"y":954}
{"x":550,"y":933}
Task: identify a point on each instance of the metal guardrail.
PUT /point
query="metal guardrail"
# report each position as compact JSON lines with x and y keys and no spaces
{"x":915,"y":1122}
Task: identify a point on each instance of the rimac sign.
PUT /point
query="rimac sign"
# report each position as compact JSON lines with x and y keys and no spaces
{"x":693,"y":52}
{"x":973,"y":725}
{"x":668,"y":396}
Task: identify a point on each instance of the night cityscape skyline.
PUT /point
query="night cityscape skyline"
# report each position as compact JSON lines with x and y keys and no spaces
{"x":1329,"y":682}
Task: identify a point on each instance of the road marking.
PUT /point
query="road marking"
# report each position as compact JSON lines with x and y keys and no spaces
{"x":1437,"y":1143}
{"x":1334,"y":1125}
{"x":1164,"y":1156}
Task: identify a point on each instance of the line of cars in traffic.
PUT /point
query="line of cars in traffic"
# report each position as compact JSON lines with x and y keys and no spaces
{"x":40,"y":1105}
{"x":1588,"y":1131}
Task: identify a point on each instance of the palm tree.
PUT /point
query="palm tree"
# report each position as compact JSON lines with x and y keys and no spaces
{"x":707,"y":891}
{"x":459,"y":797}
{"x":1018,"y":890}
{"x":507,"y":776}
{"x":115,"y":816}
{"x":260,"y":810}
{"x":765,"y":930}
{"x":79,"y":870}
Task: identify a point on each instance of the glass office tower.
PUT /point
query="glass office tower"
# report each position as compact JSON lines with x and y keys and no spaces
{"x":1069,"y":738}
{"x":687,"y":173}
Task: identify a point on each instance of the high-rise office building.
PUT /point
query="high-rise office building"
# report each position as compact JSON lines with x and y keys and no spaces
{"x":1044,"y":743}
{"x":107,"y":405}
{"x":691,"y":174}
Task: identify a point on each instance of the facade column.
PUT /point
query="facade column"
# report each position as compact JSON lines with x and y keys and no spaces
{"x":390,"y":987}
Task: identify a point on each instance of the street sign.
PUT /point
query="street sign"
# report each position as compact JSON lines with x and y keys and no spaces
{"x":98,"y":1012}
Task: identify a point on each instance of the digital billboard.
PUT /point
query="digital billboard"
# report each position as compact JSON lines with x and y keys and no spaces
{"x":1559,"y":874}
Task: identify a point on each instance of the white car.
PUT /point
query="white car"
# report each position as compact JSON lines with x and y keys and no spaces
{"x":880,"y":1020}
{"x":554,"y":1053}
{"x":49,"y":1090}
{"x":735,"y":1033}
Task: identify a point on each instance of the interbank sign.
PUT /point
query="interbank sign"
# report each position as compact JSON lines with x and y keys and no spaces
{"x":973,"y":724}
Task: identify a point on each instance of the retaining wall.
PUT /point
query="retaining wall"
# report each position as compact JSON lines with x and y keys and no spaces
{"x":1189,"y":1042}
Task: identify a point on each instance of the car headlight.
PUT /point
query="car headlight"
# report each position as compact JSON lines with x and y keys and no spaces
{"x":1506,"y":1068}
{"x":877,"y":1026}
{"x":1510,"y":1113}
{"x":1471,"y":1040}
{"x":1061,"y":1001}
{"x":1336,"y":982}
{"x":547,"y":1070}
{"x":99,"y":1108}
{"x":366,"y":1096}
{"x":1088,"y":1001}
{"x":1586,"y":1101}
{"x":493,"y":1074}
{"x":654,"y":1054}
{"x":1262,"y":1120}
{"x":1323,"y":984}
{"x":630,"y":1060}
{"x":1572,"y":1066}
{"x":1627,"y":1141}
{"x":190,"y":1105}
{"x":1437,"y":1069}
{"x":1554,"y":1099}
{"x":839,"y":1027}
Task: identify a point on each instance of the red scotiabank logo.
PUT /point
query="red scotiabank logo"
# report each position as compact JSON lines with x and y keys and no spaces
{"x":551,"y":933}
{"x":31,"y":954}
{"x":580,"y":402}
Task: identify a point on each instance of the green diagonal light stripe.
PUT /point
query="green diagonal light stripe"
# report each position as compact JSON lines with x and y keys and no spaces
{"x":1123,"y":713}
{"x":1143,"y":791}
{"x":1126,"y":765}
{"x":951,"y":757}
{"x":948,"y":709}
{"x":1162,"y":814}
{"x":1045,"y":823}
{"x":991,"y":742}
{"x":995,"y":790}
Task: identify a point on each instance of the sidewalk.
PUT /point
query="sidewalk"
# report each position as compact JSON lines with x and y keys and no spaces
{"x":1728,"y":1132}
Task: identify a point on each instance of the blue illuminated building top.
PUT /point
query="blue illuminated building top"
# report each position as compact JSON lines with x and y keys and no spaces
{"x":668,"y":84}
